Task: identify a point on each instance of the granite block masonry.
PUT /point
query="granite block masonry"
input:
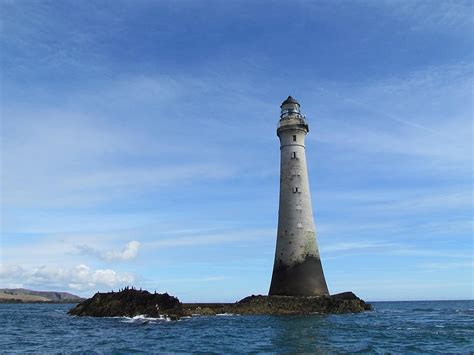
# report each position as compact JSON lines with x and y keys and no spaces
{"x":297,"y":269}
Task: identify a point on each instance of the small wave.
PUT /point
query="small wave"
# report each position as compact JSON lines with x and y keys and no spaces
{"x":142,"y":319}
{"x":467,"y":311}
{"x":225,"y":314}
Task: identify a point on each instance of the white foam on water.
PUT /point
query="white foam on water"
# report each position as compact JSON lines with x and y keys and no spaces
{"x":225,"y":314}
{"x":141,"y":318}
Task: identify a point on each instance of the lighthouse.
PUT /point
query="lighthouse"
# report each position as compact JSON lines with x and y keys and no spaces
{"x":297,"y":269}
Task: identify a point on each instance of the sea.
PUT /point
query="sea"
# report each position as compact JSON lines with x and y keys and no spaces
{"x":392,"y":327}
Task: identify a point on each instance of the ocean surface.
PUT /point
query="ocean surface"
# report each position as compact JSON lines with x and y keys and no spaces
{"x":396,"y":327}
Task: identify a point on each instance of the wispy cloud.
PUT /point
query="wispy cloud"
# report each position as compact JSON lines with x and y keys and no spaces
{"x":74,"y":163}
{"x":424,"y":203}
{"x":385,"y":117}
{"x":421,"y":16}
{"x":129,"y":252}
{"x":221,"y":237}
{"x":431,"y":253}
{"x":395,"y":203}
{"x":447,"y":266}
{"x":79,"y":155}
{"x":394,"y":248}
{"x":197,"y":279}
{"x":359,"y":245}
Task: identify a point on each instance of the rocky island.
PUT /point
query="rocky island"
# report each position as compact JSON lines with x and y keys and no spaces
{"x":131,"y":302}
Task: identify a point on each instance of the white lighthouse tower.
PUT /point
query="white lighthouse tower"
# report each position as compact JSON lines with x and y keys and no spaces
{"x":297,"y":270}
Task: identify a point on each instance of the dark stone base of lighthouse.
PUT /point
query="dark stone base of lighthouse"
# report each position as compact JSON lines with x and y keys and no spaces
{"x":301,"y":279}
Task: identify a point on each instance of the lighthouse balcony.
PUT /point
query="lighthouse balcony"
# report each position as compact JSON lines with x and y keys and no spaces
{"x":294,"y":121}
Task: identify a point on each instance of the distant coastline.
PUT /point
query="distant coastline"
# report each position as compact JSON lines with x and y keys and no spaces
{"x":21,"y":295}
{"x":19,"y":301}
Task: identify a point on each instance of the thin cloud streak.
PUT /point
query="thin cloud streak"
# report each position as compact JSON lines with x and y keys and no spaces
{"x":210,"y":239}
{"x":447,"y":266}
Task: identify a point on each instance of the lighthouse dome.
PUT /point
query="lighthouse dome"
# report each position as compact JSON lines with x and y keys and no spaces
{"x":290,"y":107}
{"x":290,"y":100}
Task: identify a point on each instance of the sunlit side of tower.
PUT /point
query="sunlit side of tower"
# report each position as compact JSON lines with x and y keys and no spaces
{"x":297,"y":270}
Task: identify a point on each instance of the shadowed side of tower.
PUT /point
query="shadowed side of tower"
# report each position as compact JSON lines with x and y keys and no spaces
{"x":297,"y":270}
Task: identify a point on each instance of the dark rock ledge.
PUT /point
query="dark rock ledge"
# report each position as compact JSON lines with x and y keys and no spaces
{"x":131,"y":302}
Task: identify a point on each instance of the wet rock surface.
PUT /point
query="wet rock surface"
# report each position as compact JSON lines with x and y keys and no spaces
{"x":340,"y":303}
{"x":130,"y":303}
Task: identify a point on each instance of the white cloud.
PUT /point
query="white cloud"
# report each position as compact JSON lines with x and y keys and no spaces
{"x":84,"y":278}
{"x":129,"y":252}
{"x":80,"y":277}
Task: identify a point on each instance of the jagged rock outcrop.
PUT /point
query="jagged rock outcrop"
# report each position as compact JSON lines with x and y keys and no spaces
{"x":131,"y":302}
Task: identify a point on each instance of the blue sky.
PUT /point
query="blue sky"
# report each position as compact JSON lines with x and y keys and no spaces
{"x":138,"y":144}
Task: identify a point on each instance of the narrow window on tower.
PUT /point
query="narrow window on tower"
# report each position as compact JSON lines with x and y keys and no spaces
{"x":295,"y":189}
{"x":294,"y":138}
{"x":293,"y":155}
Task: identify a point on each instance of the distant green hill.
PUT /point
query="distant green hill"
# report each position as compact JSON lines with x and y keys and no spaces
{"x":21,"y":295}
